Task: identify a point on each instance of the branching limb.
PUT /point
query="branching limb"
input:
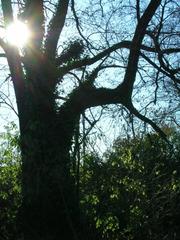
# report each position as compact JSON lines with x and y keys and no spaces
{"x":134,"y":111}
{"x":89,"y":61}
{"x":165,"y":66}
{"x":4,"y":99}
{"x":84,"y":98}
{"x":12,"y":54}
{"x":140,"y":32}
{"x":55,"y":28}
{"x":160,"y":69}
{"x":99,"y":56}
{"x":78,"y":26}
{"x":138,"y":10}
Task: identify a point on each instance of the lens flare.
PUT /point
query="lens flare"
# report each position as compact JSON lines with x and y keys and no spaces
{"x":17,"y":34}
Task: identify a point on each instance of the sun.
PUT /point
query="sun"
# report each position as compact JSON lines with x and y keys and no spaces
{"x":17,"y":34}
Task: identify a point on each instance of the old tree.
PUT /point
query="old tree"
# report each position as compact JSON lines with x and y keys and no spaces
{"x":81,"y":55}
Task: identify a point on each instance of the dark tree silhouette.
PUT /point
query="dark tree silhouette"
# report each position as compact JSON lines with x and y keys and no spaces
{"x":50,"y":206}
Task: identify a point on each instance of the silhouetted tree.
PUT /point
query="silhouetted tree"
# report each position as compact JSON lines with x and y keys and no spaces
{"x":48,"y":119}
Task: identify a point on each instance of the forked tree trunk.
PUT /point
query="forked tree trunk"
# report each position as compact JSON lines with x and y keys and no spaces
{"x":50,"y":208}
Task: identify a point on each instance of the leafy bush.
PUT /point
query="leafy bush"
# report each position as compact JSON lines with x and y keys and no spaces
{"x":134,"y":191}
{"x":131,"y":193}
{"x":10,"y":197}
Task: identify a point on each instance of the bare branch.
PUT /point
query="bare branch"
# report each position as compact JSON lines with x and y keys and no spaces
{"x":160,"y":69}
{"x":160,"y":57}
{"x":78,"y":26}
{"x":99,"y":56}
{"x":138,"y":9}
{"x":89,"y":61}
{"x":140,"y":32}
{"x":7,"y":101}
{"x":55,"y":28}
{"x":12,"y":54}
{"x":134,"y":111}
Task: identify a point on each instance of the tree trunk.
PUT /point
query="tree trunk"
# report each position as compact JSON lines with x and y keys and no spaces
{"x":50,"y":208}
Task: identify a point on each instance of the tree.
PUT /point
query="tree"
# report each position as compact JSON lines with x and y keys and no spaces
{"x":133,"y":191}
{"x":10,"y":187}
{"x":48,"y":119}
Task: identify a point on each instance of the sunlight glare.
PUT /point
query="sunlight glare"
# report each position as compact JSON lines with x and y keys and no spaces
{"x":17,"y":34}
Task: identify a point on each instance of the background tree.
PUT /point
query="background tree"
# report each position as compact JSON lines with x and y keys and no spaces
{"x":10,"y":187}
{"x":133,"y":191}
{"x":55,"y":84}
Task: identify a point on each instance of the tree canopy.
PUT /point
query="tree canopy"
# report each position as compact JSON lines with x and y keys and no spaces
{"x":132,"y":192}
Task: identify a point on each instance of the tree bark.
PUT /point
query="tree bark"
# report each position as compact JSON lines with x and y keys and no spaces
{"x":50,"y":208}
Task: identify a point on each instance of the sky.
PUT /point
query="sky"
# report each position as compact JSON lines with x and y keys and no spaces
{"x":107,"y":124}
